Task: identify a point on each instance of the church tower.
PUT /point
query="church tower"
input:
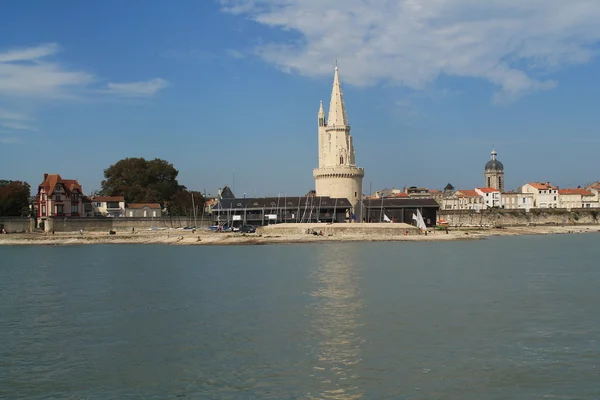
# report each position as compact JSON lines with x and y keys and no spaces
{"x":337,"y":175}
{"x":494,"y":173}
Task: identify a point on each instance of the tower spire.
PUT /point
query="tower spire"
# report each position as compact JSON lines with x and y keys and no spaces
{"x":321,"y":115}
{"x":337,"y":110}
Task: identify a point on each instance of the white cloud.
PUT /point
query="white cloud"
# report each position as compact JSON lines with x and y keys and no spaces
{"x":512,"y":44}
{"x":137,"y":89}
{"x":10,"y":120}
{"x":26,"y":73}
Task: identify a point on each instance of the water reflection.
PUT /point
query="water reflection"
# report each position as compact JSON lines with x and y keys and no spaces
{"x":335,"y":314}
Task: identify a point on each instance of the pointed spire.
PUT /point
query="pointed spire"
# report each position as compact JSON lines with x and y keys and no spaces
{"x":493,"y":153}
{"x":321,"y":110}
{"x":337,"y":110}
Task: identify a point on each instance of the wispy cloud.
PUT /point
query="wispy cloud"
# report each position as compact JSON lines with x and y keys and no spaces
{"x":137,"y":89}
{"x":512,"y":44}
{"x":235,"y":53}
{"x":12,"y":121}
{"x":25,"y":72}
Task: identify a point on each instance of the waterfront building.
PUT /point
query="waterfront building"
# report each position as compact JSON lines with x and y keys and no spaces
{"x":337,"y":176}
{"x":282,"y":209}
{"x":400,"y":210}
{"x":108,"y":206}
{"x":143,"y":210}
{"x":491,"y":197}
{"x":517,"y":201}
{"x":545,"y":195}
{"x":465,"y":199}
{"x":58,"y":197}
{"x":594,"y":188}
{"x":494,"y":173}
{"x":576,"y":198}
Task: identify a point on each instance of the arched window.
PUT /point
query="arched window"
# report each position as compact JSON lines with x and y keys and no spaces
{"x":489,"y":182}
{"x":341,"y":159}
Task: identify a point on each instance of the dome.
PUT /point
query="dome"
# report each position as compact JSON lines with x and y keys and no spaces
{"x":494,"y":165}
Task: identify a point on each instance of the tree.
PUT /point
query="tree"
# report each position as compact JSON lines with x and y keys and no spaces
{"x":181,"y":203}
{"x":141,"y":181}
{"x":14,"y":198}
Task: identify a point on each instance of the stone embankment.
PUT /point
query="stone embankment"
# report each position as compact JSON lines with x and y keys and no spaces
{"x":535,"y":217}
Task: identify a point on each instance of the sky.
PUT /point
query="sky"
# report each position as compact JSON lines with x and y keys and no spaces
{"x":228,"y":90}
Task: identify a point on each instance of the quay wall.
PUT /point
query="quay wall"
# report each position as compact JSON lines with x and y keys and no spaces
{"x":341,"y":229}
{"x":120,"y":224}
{"x":16,"y":224}
{"x":495,"y":217}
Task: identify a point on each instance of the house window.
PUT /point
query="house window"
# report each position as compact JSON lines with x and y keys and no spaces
{"x":43,"y":209}
{"x":145,"y":213}
{"x":75,"y":197}
{"x":154,"y":213}
{"x":57,"y":197}
{"x":74,"y":209}
{"x":131,"y":213}
{"x":59,"y":209}
{"x":554,"y":198}
{"x":98,"y":204}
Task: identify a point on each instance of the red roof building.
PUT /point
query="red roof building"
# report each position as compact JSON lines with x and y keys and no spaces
{"x":58,"y":197}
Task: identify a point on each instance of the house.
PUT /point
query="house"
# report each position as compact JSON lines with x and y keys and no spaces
{"x":545,"y":195}
{"x":465,"y":199}
{"x":491,"y":197}
{"x":58,"y":197}
{"x":594,"y":188}
{"x":517,"y":201}
{"x":417,"y":193}
{"x":576,"y":198}
{"x":383,"y":193}
{"x":143,"y":210}
{"x":209,"y":204}
{"x":108,"y":206}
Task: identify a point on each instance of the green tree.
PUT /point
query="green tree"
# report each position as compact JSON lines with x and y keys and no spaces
{"x":181,"y":203}
{"x":14,"y":198}
{"x":141,"y":181}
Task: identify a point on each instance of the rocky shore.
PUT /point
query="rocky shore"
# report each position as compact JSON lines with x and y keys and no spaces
{"x":286,"y":233}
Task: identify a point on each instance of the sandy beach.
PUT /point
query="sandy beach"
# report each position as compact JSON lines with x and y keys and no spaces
{"x":283,"y":234}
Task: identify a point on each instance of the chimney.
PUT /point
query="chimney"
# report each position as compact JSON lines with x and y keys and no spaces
{"x":45,"y":176}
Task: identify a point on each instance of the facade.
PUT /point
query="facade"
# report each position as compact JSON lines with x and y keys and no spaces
{"x":594,"y":188}
{"x":400,"y":210}
{"x":143,"y":210}
{"x":545,"y":195}
{"x":108,"y":206}
{"x":517,"y":201}
{"x":273,"y":210}
{"x":58,"y":197}
{"x":464,"y":199}
{"x":491,"y":197}
{"x":576,"y":198}
{"x":494,"y":173}
{"x":338,"y":175}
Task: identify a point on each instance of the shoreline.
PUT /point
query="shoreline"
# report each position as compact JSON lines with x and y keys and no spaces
{"x":262,"y":237}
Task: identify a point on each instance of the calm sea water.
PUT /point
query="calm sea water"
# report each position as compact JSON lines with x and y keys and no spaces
{"x":506,"y":318}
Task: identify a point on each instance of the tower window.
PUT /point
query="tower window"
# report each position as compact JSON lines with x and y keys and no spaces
{"x":341,"y":159}
{"x":355,"y":194}
{"x":489,"y":182}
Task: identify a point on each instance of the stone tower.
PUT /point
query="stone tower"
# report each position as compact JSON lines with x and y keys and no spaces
{"x":337,"y":175}
{"x":494,"y":173}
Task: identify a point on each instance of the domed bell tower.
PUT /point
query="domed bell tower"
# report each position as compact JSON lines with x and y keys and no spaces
{"x":494,"y":173}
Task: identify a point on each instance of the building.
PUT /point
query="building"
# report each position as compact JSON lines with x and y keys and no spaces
{"x":58,"y":197}
{"x":517,"y":201}
{"x":338,"y":175}
{"x":387,"y":193}
{"x":494,"y":173}
{"x":576,"y":198}
{"x":545,"y":195}
{"x":273,"y":210}
{"x":491,"y":197}
{"x":417,"y":193}
{"x":594,"y":188}
{"x":464,"y":199}
{"x":143,"y":210}
{"x":108,"y":206}
{"x":400,"y":210}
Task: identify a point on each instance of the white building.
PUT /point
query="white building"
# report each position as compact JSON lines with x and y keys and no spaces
{"x":464,"y":200}
{"x":108,"y":206}
{"x":491,"y":197}
{"x":576,"y":198}
{"x":545,"y":195}
{"x":338,"y":176}
{"x":517,"y":201}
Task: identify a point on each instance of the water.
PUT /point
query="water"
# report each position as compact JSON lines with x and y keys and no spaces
{"x":506,"y":318}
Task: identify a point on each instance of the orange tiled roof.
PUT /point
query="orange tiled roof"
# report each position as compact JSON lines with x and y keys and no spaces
{"x":468,"y":193}
{"x":435,"y":191}
{"x":107,"y":198}
{"x":51,"y":180}
{"x":542,"y":185}
{"x":142,"y":205}
{"x":488,"y":190}
{"x":580,"y":191}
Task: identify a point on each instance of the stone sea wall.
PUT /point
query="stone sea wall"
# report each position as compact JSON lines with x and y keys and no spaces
{"x":496,"y":217}
{"x":16,"y":224}
{"x":121,"y":224}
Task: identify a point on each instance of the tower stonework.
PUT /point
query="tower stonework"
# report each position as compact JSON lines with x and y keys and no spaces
{"x":337,"y":175}
{"x":494,"y":173}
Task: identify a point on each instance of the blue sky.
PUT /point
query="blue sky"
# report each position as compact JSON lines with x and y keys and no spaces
{"x":234,"y":85}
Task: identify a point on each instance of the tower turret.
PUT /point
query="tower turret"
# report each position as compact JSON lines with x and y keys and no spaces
{"x":494,"y":172}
